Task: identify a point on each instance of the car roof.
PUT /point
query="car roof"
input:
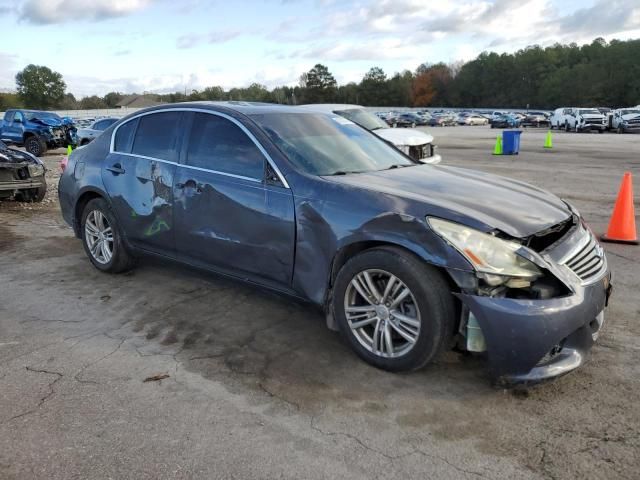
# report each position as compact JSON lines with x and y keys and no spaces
{"x":247,"y":108}
{"x":329,"y":107}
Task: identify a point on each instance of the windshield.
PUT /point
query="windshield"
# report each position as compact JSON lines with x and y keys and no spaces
{"x":32,"y":115}
{"x":328,"y":145}
{"x":629,"y":112}
{"x":363,"y":118}
{"x":589,"y":112}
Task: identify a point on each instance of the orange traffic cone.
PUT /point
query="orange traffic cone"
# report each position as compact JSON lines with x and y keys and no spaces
{"x":622,"y":227}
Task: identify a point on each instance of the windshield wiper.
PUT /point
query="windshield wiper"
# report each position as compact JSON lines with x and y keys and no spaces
{"x":398,"y":166}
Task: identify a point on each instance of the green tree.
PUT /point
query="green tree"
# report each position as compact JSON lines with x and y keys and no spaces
{"x":92,"y":102}
{"x":112,"y":99}
{"x":373,"y":88}
{"x":40,"y":87}
{"x":69,"y":102}
{"x":319,"y":85}
{"x":9,"y":100}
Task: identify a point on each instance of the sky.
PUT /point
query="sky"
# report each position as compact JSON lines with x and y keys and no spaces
{"x":172,"y":45}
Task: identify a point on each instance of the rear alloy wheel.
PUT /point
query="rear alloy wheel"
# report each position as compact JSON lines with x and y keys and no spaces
{"x":413,"y":125}
{"x":102,"y":239}
{"x":395,"y":310}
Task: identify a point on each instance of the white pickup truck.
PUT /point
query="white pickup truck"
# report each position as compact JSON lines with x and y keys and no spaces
{"x":579,"y":119}
{"x":626,"y":120}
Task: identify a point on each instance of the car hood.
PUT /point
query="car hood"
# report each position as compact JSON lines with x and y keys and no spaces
{"x":631,"y":116}
{"x":514,"y":207}
{"x":14,"y":156}
{"x":401,"y":136}
{"x":52,"y":121}
{"x":591,"y":116}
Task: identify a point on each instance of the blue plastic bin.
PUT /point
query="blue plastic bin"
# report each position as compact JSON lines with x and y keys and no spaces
{"x":511,"y":142}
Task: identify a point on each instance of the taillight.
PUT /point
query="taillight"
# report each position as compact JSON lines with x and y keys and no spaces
{"x":63,"y":163}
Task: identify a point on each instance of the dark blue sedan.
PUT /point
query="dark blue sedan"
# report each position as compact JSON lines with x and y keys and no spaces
{"x":407,"y":260}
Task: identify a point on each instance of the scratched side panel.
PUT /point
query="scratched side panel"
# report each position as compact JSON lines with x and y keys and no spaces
{"x":143,"y":200}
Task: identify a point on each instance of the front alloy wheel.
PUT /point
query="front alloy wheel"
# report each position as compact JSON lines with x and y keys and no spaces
{"x":382,"y":313}
{"x":396,"y":311}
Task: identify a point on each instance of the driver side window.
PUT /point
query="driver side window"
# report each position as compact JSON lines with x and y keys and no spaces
{"x":220,"y":145}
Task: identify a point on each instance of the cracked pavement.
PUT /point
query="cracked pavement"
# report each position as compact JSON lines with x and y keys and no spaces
{"x":259,"y":388}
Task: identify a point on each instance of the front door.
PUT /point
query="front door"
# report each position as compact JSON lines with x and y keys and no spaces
{"x":227,"y":215}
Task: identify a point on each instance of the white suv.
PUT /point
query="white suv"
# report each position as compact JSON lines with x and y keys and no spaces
{"x":418,"y":145}
{"x":578,"y":119}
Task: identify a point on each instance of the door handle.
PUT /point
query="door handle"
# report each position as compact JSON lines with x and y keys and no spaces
{"x":116,"y":169}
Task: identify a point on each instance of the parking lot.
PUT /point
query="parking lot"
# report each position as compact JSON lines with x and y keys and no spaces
{"x":257,"y":387}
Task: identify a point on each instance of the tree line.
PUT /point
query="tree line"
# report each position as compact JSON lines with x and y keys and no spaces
{"x":595,"y":74}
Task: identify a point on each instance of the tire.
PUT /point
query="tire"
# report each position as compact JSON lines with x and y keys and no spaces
{"x":429,"y":304}
{"x":566,"y":126}
{"x":35,"y":145}
{"x":39,"y":193}
{"x":120,"y":259}
{"x":395,"y":125}
{"x":413,"y":125}
{"x":620,"y":130}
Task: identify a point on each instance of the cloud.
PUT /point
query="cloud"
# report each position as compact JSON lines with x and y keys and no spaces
{"x":7,"y":69}
{"x":194,"y":39}
{"x":45,"y":12}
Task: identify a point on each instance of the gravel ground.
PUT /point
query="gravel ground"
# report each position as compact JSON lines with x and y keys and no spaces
{"x":258,"y":388}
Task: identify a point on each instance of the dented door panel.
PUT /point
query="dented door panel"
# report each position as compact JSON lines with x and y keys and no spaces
{"x":141,"y":194}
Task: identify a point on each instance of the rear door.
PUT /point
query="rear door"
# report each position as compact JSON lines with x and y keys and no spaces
{"x":138,"y":175}
{"x":229,"y":214}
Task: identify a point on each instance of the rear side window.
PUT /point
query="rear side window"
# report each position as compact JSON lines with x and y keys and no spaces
{"x":8,"y":117}
{"x":157,"y":136}
{"x":218,"y":144}
{"x":124,"y":136}
{"x":103,"y":124}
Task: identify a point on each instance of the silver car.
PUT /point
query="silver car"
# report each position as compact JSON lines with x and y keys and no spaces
{"x":86,"y":135}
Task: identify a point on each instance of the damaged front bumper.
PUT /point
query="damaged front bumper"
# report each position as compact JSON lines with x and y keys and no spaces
{"x":530,"y":341}
{"x":22,"y":184}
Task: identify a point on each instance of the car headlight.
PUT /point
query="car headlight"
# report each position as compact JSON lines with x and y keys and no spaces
{"x":494,"y":258}
{"x":36,"y":170}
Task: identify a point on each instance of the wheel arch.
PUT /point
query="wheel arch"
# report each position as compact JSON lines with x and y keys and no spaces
{"x":352,"y":249}
{"x":84,"y":197}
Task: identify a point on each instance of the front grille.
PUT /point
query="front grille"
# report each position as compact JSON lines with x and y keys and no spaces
{"x":419,"y":152}
{"x":589,"y":261}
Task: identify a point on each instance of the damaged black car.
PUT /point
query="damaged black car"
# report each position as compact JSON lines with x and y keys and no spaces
{"x":21,"y":175}
{"x":37,"y":130}
{"x":407,"y":260}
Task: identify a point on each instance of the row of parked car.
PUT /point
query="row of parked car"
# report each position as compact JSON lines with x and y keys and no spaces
{"x":444,"y":119}
{"x":622,"y":120}
{"x":567,"y":118}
